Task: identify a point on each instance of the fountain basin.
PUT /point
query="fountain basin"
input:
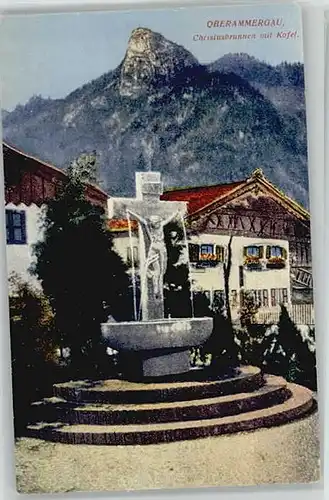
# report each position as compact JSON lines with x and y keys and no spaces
{"x":162,"y":345}
{"x":157,"y":334}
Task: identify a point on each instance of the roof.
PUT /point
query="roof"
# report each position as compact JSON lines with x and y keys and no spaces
{"x":200,"y":196}
{"x":205,"y":199}
{"x":31,"y":180}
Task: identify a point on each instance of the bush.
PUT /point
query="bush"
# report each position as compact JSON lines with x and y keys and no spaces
{"x":220,"y":347}
{"x":253,"y":343}
{"x":290,"y":355}
{"x":34,"y":348}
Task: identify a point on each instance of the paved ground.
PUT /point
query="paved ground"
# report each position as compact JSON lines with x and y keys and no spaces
{"x":278,"y":455}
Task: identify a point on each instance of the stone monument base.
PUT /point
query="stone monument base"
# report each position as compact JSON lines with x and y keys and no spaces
{"x":118,"y":412}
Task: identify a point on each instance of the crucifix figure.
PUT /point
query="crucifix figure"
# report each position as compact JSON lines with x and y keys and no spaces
{"x":152,"y":215}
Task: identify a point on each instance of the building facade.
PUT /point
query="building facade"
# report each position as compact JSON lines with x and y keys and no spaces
{"x":29,"y":185}
{"x":264,"y":234}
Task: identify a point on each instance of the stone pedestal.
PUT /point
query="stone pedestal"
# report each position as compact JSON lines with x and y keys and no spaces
{"x":165,"y":362}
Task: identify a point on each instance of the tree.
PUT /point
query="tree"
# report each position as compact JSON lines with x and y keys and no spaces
{"x":83,"y":277}
{"x":84,"y":168}
{"x":290,"y":355}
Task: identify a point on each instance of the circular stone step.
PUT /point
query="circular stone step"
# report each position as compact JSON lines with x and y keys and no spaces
{"x":300,"y":403}
{"x":248,"y":379}
{"x":273,"y":392}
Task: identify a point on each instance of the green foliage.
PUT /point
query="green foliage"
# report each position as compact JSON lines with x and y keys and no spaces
{"x":34,"y":344}
{"x":84,"y":168}
{"x":248,"y":310}
{"x":253,"y":344}
{"x":83,"y":277}
{"x":220,"y":348}
{"x":290,"y":355}
{"x":176,"y":280}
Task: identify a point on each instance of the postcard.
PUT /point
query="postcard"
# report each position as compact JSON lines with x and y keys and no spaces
{"x":159,"y":248}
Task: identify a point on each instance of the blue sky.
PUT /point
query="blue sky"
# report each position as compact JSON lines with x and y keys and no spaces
{"x":53,"y":54}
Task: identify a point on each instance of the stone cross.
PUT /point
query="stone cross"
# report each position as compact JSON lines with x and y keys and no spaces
{"x":152,"y":215}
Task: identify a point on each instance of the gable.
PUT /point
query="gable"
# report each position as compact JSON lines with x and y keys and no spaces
{"x":255,"y":211}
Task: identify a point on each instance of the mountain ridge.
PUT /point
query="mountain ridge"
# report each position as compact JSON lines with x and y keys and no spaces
{"x":183,"y":118}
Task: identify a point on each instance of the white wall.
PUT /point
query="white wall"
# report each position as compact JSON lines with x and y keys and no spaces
{"x":20,"y":257}
{"x":212,"y":279}
{"x":121,"y":244}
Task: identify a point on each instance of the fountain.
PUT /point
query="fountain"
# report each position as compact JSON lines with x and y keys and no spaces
{"x":172,"y":407}
{"x":161,"y":345}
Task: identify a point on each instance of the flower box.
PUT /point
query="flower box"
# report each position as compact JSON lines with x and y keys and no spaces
{"x":275,"y":263}
{"x":208,"y":260}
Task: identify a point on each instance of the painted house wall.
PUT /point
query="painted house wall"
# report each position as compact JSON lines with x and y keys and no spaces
{"x":20,"y":256}
{"x":29,"y":184}
{"x":121,"y":244}
{"x":212,"y":279}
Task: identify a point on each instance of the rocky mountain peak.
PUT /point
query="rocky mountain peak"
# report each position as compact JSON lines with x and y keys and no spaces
{"x":150,"y":57}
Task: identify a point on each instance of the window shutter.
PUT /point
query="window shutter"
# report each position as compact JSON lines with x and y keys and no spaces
{"x":219,"y":253}
{"x":284,"y":253}
{"x":9,"y":225}
{"x":284,"y":295}
{"x":268,"y":251}
{"x":261,"y":252}
{"x":23,"y":226}
{"x":193,"y":252}
{"x":245,"y":251}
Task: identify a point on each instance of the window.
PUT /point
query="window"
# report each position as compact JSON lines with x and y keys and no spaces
{"x":273,"y":297}
{"x":253,"y":251}
{"x":265,"y":298}
{"x":234,"y":298}
{"x":16,"y":227}
{"x":207,"y":249}
{"x":135,"y":256}
{"x":193,"y":252}
{"x":275,"y":251}
{"x":258,"y":298}
{"x":284,"y":295}
{"x":279,"y":296}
